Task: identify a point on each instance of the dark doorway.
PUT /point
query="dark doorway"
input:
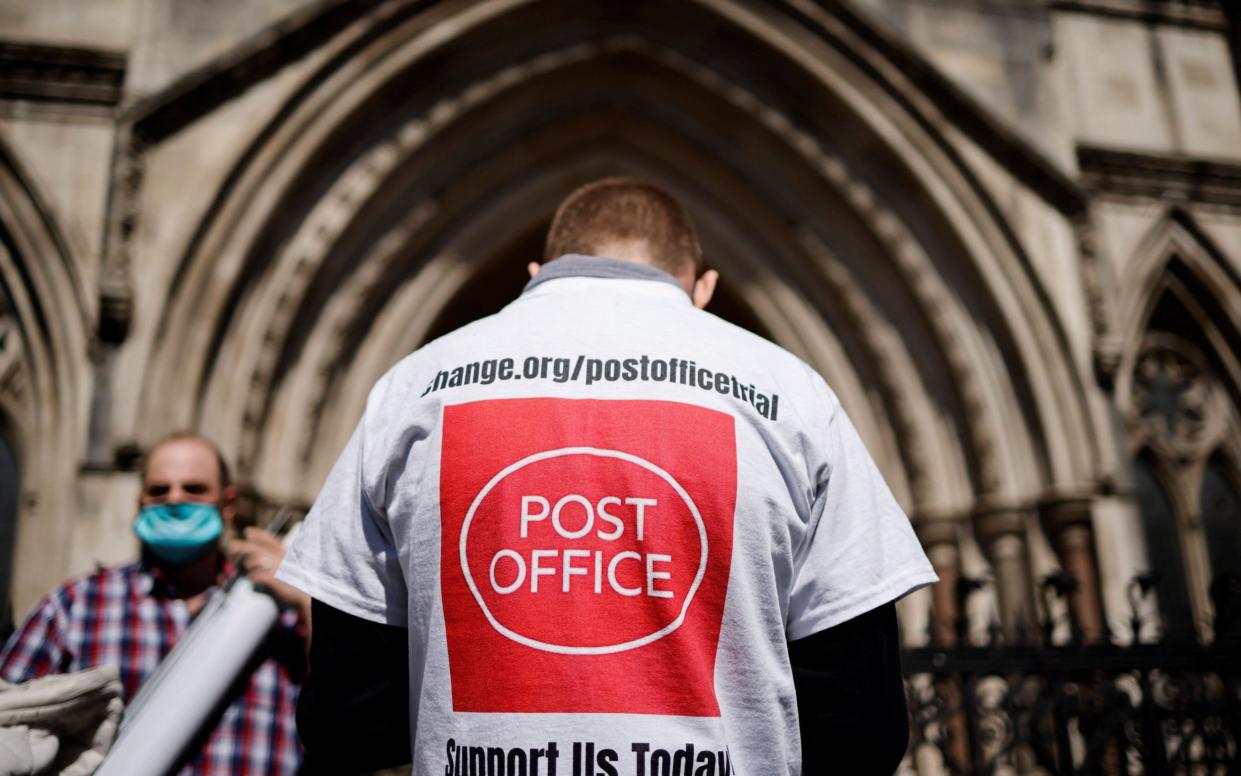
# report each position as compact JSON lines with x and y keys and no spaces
{"x":502,"y":280}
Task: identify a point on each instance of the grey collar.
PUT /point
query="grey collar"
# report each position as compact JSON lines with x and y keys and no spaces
{"x":574,"y":265}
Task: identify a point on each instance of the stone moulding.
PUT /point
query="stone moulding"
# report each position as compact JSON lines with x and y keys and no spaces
{"x":1164,"y":177}
{"x":260,"y":56}
{"x":61,"y":74}
{"x":1204,"y":14}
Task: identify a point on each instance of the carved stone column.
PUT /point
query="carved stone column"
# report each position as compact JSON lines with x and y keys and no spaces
{"x":1001,"y":529}
{"x":1067,"y":522}
{"x":939,"y":538}
{"x":938,"y":535}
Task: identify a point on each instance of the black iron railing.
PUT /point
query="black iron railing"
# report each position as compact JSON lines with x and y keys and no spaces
{"x":1169,"y":707}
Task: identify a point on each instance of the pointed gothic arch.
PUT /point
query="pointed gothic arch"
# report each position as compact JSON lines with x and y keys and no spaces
{"x":45,"y":333}
{"x":969,"y":336}
{"x":1177,"y":256}
{"x":1179,"y":388}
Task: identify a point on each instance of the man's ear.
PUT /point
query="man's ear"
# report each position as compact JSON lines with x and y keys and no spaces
{"x":228,"y":505}
{"x":704,"y":288}
{"x":533,"y":268}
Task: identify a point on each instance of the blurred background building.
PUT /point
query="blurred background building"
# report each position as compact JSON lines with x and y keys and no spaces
{"x":1008,"y":232}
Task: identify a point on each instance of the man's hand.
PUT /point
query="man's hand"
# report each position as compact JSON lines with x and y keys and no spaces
{"x":258,"y":554}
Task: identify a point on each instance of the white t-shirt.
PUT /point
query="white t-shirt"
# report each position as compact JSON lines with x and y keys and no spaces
{"x":601,"y":513}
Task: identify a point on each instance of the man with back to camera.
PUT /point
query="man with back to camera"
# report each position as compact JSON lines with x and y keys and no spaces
{"x":131,"y":616}
{"x":605,"y":532}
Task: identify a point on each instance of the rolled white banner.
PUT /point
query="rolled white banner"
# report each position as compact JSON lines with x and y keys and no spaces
{"x":177,"y":699}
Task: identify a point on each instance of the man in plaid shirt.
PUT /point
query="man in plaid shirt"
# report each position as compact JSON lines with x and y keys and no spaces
{"x":131,"y":616}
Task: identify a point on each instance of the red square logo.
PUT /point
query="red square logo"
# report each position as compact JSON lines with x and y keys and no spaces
{"x":585,"y":554}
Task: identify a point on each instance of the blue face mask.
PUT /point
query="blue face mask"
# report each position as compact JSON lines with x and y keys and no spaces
{"x":179,"y":533}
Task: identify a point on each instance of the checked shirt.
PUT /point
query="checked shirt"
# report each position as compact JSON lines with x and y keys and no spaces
{"x":128,"y":616}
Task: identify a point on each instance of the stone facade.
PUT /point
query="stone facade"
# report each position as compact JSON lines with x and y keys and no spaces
{"x":1008,"y":232}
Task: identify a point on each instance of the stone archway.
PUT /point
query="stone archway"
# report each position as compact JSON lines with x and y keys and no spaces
{"x":436,"y":143}
{"x":44,"y":370}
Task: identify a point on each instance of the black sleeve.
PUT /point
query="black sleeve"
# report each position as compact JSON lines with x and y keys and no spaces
{"x":850,"y":696}
{"x":353,"y":711}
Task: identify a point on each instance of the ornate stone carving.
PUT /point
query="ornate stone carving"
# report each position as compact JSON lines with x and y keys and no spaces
{"x":1176,"y":404}
{"x":361,"y":286}
{"x":1095,"y":284}
{"x":886,"y":356}
{"x":115,"y":282}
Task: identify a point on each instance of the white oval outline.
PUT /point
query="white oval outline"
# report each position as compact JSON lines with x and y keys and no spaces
{"x":606,"y":649}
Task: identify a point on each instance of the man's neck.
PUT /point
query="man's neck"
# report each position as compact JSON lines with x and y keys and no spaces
{"x":639,"y":252}
{"x":576,"y":265}
{"x":194,"y":577}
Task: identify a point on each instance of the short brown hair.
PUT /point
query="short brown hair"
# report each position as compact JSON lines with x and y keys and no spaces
{"x":226,"y":478}
{"x":625,"y":209}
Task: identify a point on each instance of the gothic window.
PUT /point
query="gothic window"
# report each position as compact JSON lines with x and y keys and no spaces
{"x":1183,"y":419}
{"x":1180,"y":415}
{"x":1164,"y":546}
